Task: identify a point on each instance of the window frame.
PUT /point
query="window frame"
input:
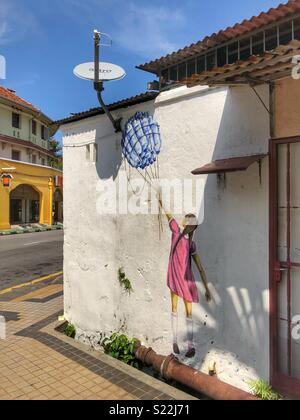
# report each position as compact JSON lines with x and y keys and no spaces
{"x":44,"y":132}
{"x":34,"y":130}
{"x":18,"y":153}
{"x":19,"y":116}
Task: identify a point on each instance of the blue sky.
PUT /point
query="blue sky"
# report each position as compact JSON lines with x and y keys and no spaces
{"x":43,"y":41}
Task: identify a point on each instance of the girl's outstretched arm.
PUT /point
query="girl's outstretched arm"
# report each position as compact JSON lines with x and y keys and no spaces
{"x":168,"y":214}
{"x":199,"y":265}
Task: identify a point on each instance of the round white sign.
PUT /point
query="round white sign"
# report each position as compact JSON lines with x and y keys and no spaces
{"x":107,"y":71}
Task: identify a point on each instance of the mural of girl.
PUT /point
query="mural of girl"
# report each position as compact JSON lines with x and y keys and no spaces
{"x":181,"y":281}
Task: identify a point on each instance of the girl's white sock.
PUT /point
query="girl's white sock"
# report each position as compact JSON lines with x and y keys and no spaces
{"x":190,"y":333}
{"x":175,"y":327}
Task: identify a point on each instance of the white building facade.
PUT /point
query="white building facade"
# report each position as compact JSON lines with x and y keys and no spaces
{"x":197,"y":125}
{"x":24,"y":131}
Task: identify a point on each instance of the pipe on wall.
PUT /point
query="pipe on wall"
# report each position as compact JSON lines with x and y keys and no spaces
{"x":171,"y":369}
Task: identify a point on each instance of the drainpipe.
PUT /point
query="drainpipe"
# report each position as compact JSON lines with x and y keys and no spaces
{"x":171,"y":369}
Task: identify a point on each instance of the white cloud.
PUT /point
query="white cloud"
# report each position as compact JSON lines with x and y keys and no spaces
{"x":147,"y":30}
{"x":15,"y":21}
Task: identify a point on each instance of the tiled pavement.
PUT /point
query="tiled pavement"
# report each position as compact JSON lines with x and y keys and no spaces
{"x":39,"y":363}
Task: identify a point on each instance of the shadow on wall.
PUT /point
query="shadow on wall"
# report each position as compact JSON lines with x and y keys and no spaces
{"x":102,"y":148}
{"x":109,"y":156}
{"x":233,"y":239}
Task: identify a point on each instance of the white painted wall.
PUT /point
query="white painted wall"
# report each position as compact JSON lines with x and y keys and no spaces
{"x":198,"y":126}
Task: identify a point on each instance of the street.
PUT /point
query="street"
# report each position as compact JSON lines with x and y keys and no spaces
{"x":28,"y":257}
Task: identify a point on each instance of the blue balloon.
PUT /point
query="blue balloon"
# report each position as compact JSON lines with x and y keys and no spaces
{"x":141,"y":142}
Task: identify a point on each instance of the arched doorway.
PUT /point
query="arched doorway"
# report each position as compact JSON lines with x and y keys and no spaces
{"x":57,"y":207}
{"x":24,"y":205}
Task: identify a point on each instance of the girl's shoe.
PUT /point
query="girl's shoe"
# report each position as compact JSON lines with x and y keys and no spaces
{"x":191,"y":353}
{"x":176,"y":349}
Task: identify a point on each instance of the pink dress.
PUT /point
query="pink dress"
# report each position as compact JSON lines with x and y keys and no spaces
{"x":181,"y":280}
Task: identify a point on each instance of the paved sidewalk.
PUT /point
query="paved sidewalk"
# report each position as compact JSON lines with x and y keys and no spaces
{"x":39,"y":363}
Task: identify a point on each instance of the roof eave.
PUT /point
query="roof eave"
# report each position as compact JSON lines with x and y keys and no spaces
{"x":147,"y":70}
{"x":255,"y":71}
{"x":127,"y":103}
{"x":26,"y":144}
{"x":28,"y":109}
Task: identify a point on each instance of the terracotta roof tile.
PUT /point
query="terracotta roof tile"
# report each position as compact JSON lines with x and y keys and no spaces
{"x":260,"y":69}
{"x":11,"y":96}
{"x":248,"y":25}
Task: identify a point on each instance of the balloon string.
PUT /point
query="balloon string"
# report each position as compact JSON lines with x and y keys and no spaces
{"x":143,"y":176}
{"x":155,"y":170}
{"x":160,"y":219}
{"x":148,"y":180}
{"x":160,"y":197}
{"x":128,"y":174}
{"x":149,"y":177}
{"x":152,"y":173}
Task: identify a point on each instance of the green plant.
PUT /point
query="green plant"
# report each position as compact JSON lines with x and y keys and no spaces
{"x":120,"y":347}
{"x":56,"y":161}
{"x":263,"y":390}
{"x":70,"y":331}
{"x":124,"y":281}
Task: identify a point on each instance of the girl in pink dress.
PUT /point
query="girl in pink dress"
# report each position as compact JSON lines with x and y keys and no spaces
{"x":181,"y":281}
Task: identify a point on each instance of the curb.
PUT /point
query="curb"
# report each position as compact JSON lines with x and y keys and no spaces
{"x":30,"y":230}
{"x":135,"y":374}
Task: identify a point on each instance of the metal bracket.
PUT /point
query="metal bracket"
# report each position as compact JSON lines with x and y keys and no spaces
{"x":222,"y":180}
{"x":278,"y":271}
{"x":260,"y":171}
{"x":255,"y":81}
{"x":261,"y":100}
{"x":98,"y":84}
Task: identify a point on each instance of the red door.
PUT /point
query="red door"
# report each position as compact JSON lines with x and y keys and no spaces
{"x":285,"y":264}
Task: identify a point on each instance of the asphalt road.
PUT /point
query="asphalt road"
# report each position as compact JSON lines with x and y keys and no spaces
{"x":29,"y":257}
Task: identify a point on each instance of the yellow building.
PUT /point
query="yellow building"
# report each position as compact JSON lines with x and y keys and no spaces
{"x":34,"y":191}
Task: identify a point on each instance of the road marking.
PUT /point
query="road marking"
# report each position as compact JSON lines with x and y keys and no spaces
{"x":30,"y":283}
{"x":40,"y":293}
{"x":32,"y":243}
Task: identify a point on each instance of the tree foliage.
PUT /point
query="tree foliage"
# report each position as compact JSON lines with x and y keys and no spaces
{"x":57,"y":161}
